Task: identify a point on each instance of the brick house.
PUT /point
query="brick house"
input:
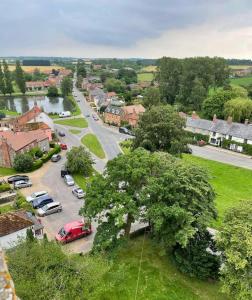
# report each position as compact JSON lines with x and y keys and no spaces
{"x":131,"y":114}
{"x":112,"y":115}
{"x":13,"y":143}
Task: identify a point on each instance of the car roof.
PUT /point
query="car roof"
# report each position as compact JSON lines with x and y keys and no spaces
{"x":53,"y":204}
{"x":73,"y":224}
{"x":68,"y":176}
{"x":20,"y":181}
{"x":40,"y":192}
{"x":42,"y":198}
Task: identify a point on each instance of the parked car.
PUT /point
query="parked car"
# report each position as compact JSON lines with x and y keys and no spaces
{"x":78,"y":192}
{"x":42,"y":201}
{"x":69,"y":180}
{"x":61,"y":133}
{"x":22,"y":184}
{"x":65,"y":114}
{"x":14,"y":178}
{"x":63,"y":146}
{"x":35,"y":196}
{"x":73,"y":231}
{"x":87,"y":115}
{"x":125,"y":131}
{"x":50,"y":208}
{"x":55,"y":157}
{"x":64,"y":172}
{"x":95,"y":117}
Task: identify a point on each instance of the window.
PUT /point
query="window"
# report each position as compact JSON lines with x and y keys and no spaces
{"x":230,"y":137}
{"x":214,"y":133}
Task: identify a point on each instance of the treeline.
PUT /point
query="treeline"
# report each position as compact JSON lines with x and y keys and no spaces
{"x":236,"y":62}
{"x":186,"y":82}
{"x":36,"y":62}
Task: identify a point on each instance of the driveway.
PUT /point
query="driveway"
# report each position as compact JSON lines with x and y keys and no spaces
{"x":224,"y":156}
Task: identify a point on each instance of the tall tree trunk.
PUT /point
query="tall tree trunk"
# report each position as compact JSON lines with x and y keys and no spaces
{"x":130,"y":219}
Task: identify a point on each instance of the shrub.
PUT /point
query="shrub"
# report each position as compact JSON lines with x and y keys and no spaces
{"x":48,"y":156}
{"x":37,"y":164}
{"x":4,"y":187}
{"x":21,"y":203}
{"x":23,"y":162}
{"x":52,"y":91}
{"x":194,"y":138}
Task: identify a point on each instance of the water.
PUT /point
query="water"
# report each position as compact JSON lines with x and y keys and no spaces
{"x":24,"y":103}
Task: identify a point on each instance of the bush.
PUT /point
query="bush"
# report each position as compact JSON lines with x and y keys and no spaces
{"x":4,"y":187}
{"x":194,"y":138}
{"x":21,"y":203}
{"x":52,"y":91}
{"x":23,"y":162}
{"x":247,"y":149}
{"x":48,"y":156}
{"x":37,"y":164}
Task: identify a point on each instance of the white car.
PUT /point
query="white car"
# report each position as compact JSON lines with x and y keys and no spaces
{"x":78,"y":192}
{"x":69,"y":180}
{"x":49,"y":209}
{"x":65,"y":114}
{"x":35,"y":195}
{"x":22,"y":184}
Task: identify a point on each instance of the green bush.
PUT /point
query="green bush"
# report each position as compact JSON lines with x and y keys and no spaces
{"x":48,"y":156}
{"x":4,"y":187}
{"x":23,"y":162}
{"x":247,"y":149}
{"x":37,"y":164}
{"x":21,"y":203}
{"x":194,"y":137}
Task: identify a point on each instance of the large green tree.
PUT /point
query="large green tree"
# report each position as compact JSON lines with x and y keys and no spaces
{"x":128,"y":75}
{"x":79,"y":161}
{"x":23,"y":162}
{"x":2,"y":81}
{"x":80,"y":69}
{"x":114,"y":85}
{"x":161,"y":129}
{"x":239,"y":109}
{"x":235,"y":243}
{"x":66,"y":86}
{"x":7,"y":79}
{"x":19,"y":77}
{"x":151,"y":97}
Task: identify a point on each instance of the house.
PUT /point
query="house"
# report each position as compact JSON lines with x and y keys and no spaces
{"x":13,"y":143}
{"x":219,"y":130}
{"x":36,"y":85}
{"x":132,"y":113}
{"x":14,"y":225}
{"x":112,"y":115}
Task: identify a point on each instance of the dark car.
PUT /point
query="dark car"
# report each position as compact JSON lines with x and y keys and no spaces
{"x":55,"y":157}
{"x":41,"y":201}
{"x":14,"y":178}
{"x":64,"y":172}
{"x":61,"y":133}
{"x":125,"y":131}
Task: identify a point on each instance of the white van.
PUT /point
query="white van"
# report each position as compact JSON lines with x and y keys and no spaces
{"x":65,"y":114}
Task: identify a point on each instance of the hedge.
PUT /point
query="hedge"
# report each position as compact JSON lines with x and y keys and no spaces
{"x":247,"y":149}
{"x":37,"y":164}
{"x":48,"y":156}
{"x":194,"y":137}
{"x":4,"y":187}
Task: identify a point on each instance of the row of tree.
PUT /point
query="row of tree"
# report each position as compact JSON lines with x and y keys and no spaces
{"x":5,"y":79}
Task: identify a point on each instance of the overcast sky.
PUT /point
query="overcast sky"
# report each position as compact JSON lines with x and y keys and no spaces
{"x":126,"y":28}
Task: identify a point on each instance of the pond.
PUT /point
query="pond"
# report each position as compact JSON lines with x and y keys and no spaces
{"x":24,"y":103}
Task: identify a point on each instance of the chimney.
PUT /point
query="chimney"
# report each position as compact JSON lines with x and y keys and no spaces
{"x":194,"y":115}
{"x":246,"y":122}
{"x":229,"y":120}
{"x":214,"y":118}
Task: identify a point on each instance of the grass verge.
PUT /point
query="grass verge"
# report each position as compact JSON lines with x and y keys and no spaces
{"x":92,"y":143}
{"x":7,"y":171}
{"x":9,"y":112}
{"x":77,"y":122}
{"x":75,"y":131}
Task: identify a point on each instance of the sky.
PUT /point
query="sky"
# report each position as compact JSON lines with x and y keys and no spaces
{"x":126,"y":28}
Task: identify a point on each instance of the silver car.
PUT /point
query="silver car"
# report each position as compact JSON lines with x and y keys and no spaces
{"x":35,"y":195}
{"x":49,"y":209}
{"x":22,"y":184}
{"x":69,"y":180}
{"x":78,"y":192}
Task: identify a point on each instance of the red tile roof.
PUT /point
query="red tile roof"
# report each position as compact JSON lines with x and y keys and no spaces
{"x":29,"y":115}
{"x":137,"y":109}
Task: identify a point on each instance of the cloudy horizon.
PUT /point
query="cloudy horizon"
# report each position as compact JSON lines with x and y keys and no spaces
{"x":117,"y":28}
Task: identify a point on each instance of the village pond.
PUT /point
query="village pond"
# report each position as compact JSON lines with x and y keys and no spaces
{"x":22,"y":104}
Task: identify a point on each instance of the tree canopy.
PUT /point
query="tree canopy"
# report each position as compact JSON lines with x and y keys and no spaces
{"x":23,"y":162}
{"x":79,"y":161}
{"x":114,"y":85}
{"x":66,"y":86}
{"x":161,"y":129}
{"x":81,"y":69}
{"x":7,"y":79}
{"x":151,"y":97}
{"x":235,"y":242}
{"x":20,"y":78}
{"x":239,"y":109}
{"x":128,"y":75}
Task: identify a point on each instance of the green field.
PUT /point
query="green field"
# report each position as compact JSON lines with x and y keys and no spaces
{"x":9,"y":112}
{"x":7,"y":171}
{"x":235,"y":67}
{"x":159,"y":278}
{"x":75,"y":131}
{"x":145,"y":77}
{"x":231,"y":184}
{"x":92,"y":143}
{"x":77,"y":122}
{"x":149,"y":69}
{"x":244,"y":81}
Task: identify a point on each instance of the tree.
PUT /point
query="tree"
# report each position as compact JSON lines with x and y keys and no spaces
{"x":52,"y":91}
{"x":2,"y":81}
{"x":7,"y":79}
{"x":235,"y":243}
{"x":80,"y":68}
{"x":198,"y":94}
{"x":79,"y":161}
{"x":105,"y":75}
{"x":43,"y":271}
{"x":79,"y":81}
{"x":161,"y":129}
{"x":23,"y":162}
{"x":128,"y":75}
{"x":66,"y":86}
{"x":239,"y":109}
{"x":151,"y":97}
{"x":198,"y":258}
{"x":20,"y":78}
{"x":114,"y":85}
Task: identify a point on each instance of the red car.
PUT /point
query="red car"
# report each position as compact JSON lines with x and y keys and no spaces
{"x":73,"y":231}
{"x":63,"y":146}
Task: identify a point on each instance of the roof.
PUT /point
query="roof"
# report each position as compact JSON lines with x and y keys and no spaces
{"x":234,"y":129}
{"x":115,"y":110}
{"x":134,"y":109}
{"x":70,"y":225}
{"x":29,"y":115}
{"x":38,"y":84}
{"x":12,"y":222}
{"x":96,"y":92}
{"x":19,"y":140}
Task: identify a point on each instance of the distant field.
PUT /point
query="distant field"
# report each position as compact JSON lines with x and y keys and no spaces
{"x":245,"y":81}
{"x":239,"y":67}
{"x":145,"y":77}
{"x":149,"y":69}
{"x":30,"y":69}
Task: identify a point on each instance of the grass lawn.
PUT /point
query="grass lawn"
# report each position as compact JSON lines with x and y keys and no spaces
{"x":244,"y":81}
{"x":159,"y":278}
{"x":235,"y":67}
{"x":82,"y":181}
{"x":145,"y":77}
{"x":149,"y":69}
{"x":77,"y":122}
{"x":6,"y":208}
{"x":92,"y":143}
{"x":75,"y":131}
{"x":7,"y":171}
{"x":231,"y":183}
{"x":9,"y":112}
{"x":53,"y":116}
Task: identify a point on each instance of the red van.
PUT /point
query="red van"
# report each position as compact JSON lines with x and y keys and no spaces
{"x":73,"y":231}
